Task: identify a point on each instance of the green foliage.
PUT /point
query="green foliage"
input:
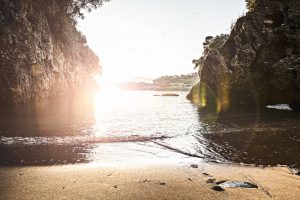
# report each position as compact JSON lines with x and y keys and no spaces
{"x":251,"y":4}
{"x":209,"y":44}
{"x":77,"y":7}
{"x":66,"y":12}
{"x":71,"y":9}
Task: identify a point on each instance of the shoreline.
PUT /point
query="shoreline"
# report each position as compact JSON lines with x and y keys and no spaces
{"x":149,"y":181}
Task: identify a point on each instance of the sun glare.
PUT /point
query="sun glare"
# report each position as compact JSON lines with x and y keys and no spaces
{"x":105,"y":85}
{"x":98,"y":79}
{"x":108,"y":101}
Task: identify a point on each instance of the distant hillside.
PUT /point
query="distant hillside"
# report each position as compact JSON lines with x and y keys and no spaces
{"x":184,"y":79}
{"x":174,"y":82}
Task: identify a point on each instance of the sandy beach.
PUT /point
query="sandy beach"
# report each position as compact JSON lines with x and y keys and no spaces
{"x":88,"y":181}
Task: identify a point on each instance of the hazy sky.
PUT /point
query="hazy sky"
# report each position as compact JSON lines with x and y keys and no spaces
{"x":150,"y":38}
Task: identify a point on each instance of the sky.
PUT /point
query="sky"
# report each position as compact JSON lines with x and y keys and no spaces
{"x":152,"y":38}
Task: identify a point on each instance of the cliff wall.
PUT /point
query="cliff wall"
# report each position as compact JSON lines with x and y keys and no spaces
{"x":41,"y":52}
{"x":259,"y":64}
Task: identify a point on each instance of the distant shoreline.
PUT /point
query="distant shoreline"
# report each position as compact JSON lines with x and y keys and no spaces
{"x":164,"y":83}
{"x":153,"y":87}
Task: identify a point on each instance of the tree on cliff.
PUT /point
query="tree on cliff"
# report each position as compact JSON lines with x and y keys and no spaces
{"x":209,"y":44}
{"x":74,"y":9}
{"x":251,"y":4}
{"x":69,"y":12}
{"x":77,"y":7}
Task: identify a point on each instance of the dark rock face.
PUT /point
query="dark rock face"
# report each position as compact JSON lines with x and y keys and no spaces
{"x":260,"y":62}
{"x":41,"y":52}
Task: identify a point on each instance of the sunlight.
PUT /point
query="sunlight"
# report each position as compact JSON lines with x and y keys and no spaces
{"x":105,"y":85}
{"x":139,"y":99}
{"x":109,"y":88}
{"x":107,"y":102}
{"x":98,"y":80}
{"x":100,"y":99}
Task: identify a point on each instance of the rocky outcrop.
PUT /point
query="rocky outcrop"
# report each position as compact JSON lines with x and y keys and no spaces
{"x":41,"y":52}
{"x":193,"y":94}
{"x":259,"y":64}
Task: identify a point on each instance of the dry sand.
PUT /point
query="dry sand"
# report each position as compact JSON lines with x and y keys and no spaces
{"x":145,"y":182}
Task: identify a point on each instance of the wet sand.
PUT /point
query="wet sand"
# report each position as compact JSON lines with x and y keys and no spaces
{"x":88,"y":181}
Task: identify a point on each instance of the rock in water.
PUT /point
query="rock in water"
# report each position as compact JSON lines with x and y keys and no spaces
{"x":170,"y":95}
{"x":193,"y":94}
{"x":41,"y":52}
{"x":259,"y":64}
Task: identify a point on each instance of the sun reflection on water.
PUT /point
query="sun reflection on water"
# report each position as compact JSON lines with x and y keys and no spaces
{"x":107,"y":102}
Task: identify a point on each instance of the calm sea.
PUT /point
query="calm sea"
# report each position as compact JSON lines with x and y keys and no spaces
{"x":140,"y":127}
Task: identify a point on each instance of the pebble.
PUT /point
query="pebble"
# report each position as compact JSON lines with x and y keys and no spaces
{"x":220,"y":182}
{"x":217,"y":188}
{"x":211,"y":180}
{"x":236,"y":184}
{"x":144,"y":180}
{"x":194,"y":166}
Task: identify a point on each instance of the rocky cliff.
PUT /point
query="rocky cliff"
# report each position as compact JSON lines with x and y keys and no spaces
{"x":259,"y":64}
{"x":41,"y":52}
